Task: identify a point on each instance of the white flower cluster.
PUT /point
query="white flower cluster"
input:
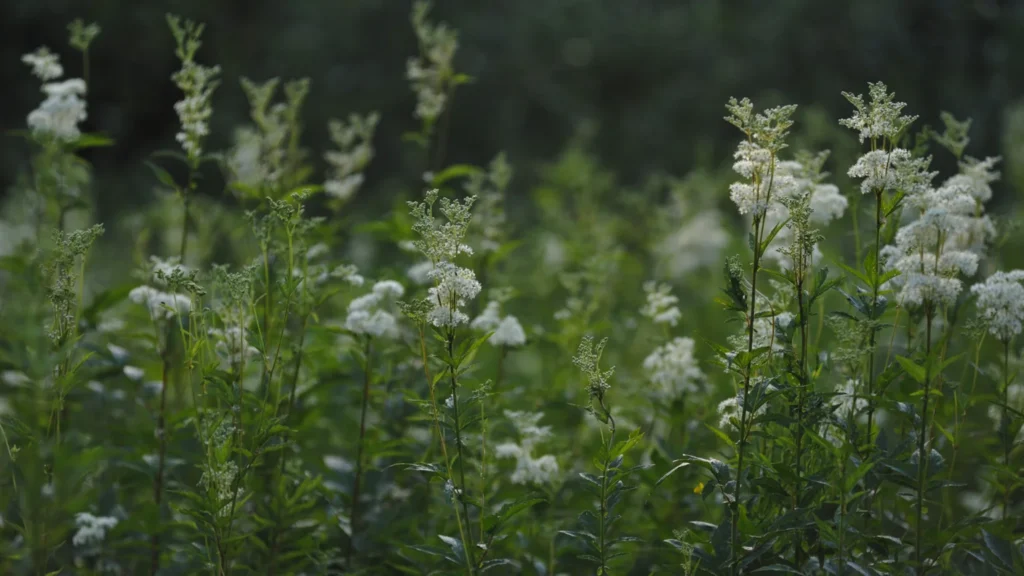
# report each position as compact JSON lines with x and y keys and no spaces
{"x":218,"y":480}
{"x":890,"y":171}
{"x":757,"y":165}
{"x":673,"y":369}
{"x":232,"y":344}
{"x":371,"y":314}
{"x":661,"y":304}
{"x":507,"y":330}
{"x":529,"y":470}
{"x":431,"y":73}
{"x":91,"y":529}
{"x":161,"y":305}
{"x":453,"y":288}
{"x":197,"y":83}
{"x":926,"y":253}
{"x":879,"y":117}
{"x":801,"y":179}
{"x":975,"y":178}
{"x":1001,"y":303}
{"x":354,"y":141}
{"x":63,"y":109}
{"x":847,"y":401}
{"x":489,"y":189}
{"x":730,"y":411}
{"x":45,"y":64}
{"x":694,"y":244}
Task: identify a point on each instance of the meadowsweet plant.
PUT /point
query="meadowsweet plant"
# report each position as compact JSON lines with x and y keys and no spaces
{"x":263,"y":374}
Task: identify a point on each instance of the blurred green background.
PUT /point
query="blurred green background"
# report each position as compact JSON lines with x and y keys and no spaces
{"x":648,"y":77}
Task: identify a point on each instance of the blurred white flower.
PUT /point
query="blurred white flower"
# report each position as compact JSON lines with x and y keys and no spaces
{"x":91,"y":529}
{"x":673,"y":369}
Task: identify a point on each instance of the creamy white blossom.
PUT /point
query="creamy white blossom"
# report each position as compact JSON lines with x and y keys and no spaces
{"x":927,"y":262}
{"x":509,"y":333}
{"x":45,"y":64}
{"x":489,"y":319}
{"x":453,"y":288}
{"x":372,"y":313}
{"x":1001,"y":303}
{"x":353,"y":140}
{"x":91,"y":529}
{"x":661,"y":304}
{"x":161,"y":305}
{"x":529,"y":469}
{"x":674,"y":370}
{"x":60,"y":113}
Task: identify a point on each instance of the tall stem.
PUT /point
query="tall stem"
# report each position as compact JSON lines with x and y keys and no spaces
{"x":367,"y":375}
{"x":158,"y":481}
{"x":1007,"y":438}
{"x":758,"y":227}
{"x":444,"y":444}
{"x":874,"y":304}
{"x":461,"y":496}
{"x":922,"y":460}
{"x":802,"y":394}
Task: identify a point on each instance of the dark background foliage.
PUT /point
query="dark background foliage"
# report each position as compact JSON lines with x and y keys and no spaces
{"x":651,"y":76}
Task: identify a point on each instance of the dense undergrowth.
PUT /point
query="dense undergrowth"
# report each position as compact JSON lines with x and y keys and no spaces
{"x":242,"y":398}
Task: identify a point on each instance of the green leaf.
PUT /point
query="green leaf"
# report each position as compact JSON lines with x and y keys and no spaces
{"x":999,"y":548}
{"x":509,"y":511}
{"x":92,"y":141}
{"x":670,"y":472}
{"x":454,"y":171}
{"x":913,"y":369}
{"x":163,"y":176}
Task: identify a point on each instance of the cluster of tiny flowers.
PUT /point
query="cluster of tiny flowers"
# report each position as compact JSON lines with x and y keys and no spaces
{"x":696,"y":243}
{"x":63,"y":109}
{"x":161,"y":305}
{"x":673,"y":369}
{"x":219,"y":480}
{"x":453,"y":288}
{"x":847,"y":401}
{"x":796,"y":180}
{"x":507,"y":331}
{"x":354,"y":142}
{"x":529,"y":470}
{"x":730,"y":411}
{"x":489,"y":189}
{"x":927,"y":262}
{"x":91,"y":529}
{"x":890,"y":171}
{"x":756,"y":165}
{"x":975,"y":179}
{"x":1001,"y":303}
{"x":232,"y":344}
{"x":197,"y":82}
{"x":661,"y":304}
{"x":879,"y":117}
{"x":45,"y":64}
{"x":370,"y":314}
{"x":431,"y":73}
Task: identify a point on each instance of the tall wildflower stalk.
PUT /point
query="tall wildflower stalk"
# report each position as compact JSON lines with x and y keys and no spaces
{"x":888,"y":172}
{"x":757,"y":159}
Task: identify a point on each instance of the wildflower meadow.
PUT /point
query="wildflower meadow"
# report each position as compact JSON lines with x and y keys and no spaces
{"x":799,"y":362}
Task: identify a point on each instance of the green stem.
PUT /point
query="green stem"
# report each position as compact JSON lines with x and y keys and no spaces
{"x":359,"y":454}
{"x":922,"y":458}
{"x":461,"y":495}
